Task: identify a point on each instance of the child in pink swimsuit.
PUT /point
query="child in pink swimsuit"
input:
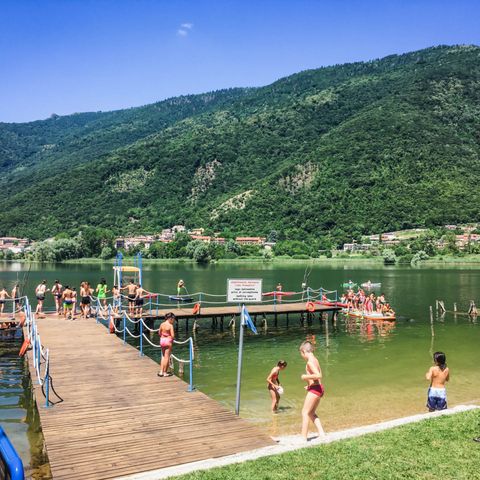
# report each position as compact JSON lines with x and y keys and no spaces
{"x":315,"y":391}
{"x":167,"y":335}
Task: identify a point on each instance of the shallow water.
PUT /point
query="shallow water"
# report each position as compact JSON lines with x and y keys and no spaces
{"x":372,"y":371}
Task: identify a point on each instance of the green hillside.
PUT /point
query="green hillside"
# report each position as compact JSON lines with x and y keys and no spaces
{"x":339,"y":151}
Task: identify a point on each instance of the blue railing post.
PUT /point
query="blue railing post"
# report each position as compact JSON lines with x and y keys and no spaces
{"x":150,"y":304}
{"x":141,"y":337}
{"x":47,"y":384}
{"x":190,"y":387}
{"x":124,"y":326}
{"x":98,"y":309}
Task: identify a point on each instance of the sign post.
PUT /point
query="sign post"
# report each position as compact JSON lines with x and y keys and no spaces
{"x":243,"y":291}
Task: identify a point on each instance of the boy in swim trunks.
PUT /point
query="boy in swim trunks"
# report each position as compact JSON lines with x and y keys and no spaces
{"x":438,"y":376}
{"x":67,"y":297}
{"x":3,"y":296}
{"x":40,"y":292}
{"x":139,"y":299}
{"x":131,"y":295}
{"x":57,"y":295}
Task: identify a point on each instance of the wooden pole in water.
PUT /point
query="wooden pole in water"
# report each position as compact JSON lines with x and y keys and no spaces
{"x":454,"y":307}
{"x":431,"y":314}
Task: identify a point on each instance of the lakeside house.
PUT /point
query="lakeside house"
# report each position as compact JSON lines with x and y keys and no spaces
{"x":14,"y":244}
{"x":251,"y":241}
{"x":357,"y":247}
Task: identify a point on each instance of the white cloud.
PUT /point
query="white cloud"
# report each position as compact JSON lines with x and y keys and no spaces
{"x":184,"y":29}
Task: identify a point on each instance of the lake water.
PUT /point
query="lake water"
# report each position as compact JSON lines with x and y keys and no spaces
{"x":371,"y":371}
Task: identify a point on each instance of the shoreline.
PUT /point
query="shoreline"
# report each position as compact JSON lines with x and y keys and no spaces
{"x":471,"y":259}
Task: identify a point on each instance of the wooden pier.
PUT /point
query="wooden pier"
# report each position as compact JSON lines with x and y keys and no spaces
{"x":230,"y":310}
{"x":118,"y":418}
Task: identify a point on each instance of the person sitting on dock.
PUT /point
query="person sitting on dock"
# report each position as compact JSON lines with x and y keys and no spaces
{"x":167,"y":335}
{"x":57,"y":290}
{"x":67,"y":297}
{"x":273,"y":384}
{"x":40,"y":292}
{"x":131,"y":295}
{"x":3,"y":296}
{"x":437,"y":375}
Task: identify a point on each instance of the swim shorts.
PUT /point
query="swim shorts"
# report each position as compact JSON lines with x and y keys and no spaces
{"x":437,"y":399}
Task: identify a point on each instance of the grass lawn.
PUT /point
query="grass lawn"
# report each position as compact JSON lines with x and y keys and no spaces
{"x":436,"y":449}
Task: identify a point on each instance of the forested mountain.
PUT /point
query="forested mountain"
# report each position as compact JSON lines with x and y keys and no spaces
{"x":338,"y":151}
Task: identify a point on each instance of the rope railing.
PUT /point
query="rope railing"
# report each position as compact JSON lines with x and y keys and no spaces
{"x":141,"y":336}
{"x":39,"y":353}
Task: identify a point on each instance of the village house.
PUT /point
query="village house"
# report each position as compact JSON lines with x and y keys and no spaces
{"x":130,"y":242}
{"x":14,"y":244}
{"x":251,"y":240}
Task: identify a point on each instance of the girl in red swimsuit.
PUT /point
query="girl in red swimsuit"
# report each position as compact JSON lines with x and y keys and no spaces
{"x":167,"y":334}
{"x":273,"y":384}
{"x":315,"y":391}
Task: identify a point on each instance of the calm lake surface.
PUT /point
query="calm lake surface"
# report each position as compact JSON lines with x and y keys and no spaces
{"x":372,"y":372}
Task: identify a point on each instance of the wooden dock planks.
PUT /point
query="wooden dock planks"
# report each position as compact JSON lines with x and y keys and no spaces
{"x":118,"y":418}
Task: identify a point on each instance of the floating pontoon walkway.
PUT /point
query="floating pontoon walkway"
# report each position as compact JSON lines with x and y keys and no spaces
{"x":118,"y":418}
{"x":230,"y":310}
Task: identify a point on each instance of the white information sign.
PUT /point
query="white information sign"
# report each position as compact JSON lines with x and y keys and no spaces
{"x":244,"y":290}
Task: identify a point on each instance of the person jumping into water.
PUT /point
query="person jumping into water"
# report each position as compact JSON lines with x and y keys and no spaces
{"x":438,"y":376}
{"x":167,"y":335}
{"x":315,"y":390}
{"x":273,"y":384}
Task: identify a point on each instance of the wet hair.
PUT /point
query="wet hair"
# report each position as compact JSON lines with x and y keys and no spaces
{"x":74,"y":289}
{"x":282,"y":363}
{"x":131,"y":281}
{"x":170,"y":315}
{"x":66,"y":287}
{"x":57,"y":281}
{"x":307,"y":347}
{"x":44,"y":282}
{"x":115,"y":286}
{"x":103,"y":281}
{"x":440,"y":359}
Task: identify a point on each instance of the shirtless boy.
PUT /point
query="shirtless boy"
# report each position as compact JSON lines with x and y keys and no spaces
{"x":3,"y":296}
{"x":131,"y":295}
{"x":40,"y":294}
{"x":68,"y":299}
{"x":438,"y":376}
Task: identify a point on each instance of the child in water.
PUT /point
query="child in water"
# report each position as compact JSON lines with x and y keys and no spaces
{"x":438,"y":375}
{"x":273,"y":384}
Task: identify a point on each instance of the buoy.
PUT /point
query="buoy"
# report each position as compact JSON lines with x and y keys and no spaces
{"x":310,"y":307}
{"x":112,"y":326}
{"x":24,"y":348}
{"x":196,"y":309}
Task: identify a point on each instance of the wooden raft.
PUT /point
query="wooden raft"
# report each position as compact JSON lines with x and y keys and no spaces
{"x":118,"y":418}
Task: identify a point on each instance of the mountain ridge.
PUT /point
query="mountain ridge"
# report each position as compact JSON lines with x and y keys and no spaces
{"x":297,"y":139}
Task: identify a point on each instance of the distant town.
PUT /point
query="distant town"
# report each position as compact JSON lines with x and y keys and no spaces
{"x":457,"y":237}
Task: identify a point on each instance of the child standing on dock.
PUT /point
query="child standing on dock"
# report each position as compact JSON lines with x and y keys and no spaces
{"x":438,"y":376}
{"x":167,"y":335}
{"x":273,"y":384}
{"x":315,"y":390}
{"x":3,"y":296}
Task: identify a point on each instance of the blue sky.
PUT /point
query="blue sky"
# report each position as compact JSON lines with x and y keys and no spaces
{"x":65,"y":56}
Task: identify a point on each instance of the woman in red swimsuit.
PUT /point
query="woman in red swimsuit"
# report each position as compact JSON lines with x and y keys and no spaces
{"x":167,"y":334}
{"x":273,"y":384}
{"x":315,"y":391}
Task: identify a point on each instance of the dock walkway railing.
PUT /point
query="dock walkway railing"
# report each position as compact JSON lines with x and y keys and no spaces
{"x":140,"y":326}
{"x":40,"y":354}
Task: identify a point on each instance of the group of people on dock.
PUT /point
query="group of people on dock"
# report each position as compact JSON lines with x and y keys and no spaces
{"x":366,"y":302}
{"x":67,"y":300}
